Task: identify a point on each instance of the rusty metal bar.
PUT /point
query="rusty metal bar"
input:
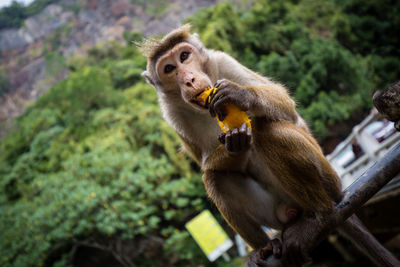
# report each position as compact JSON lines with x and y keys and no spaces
{"x":368,"y":184}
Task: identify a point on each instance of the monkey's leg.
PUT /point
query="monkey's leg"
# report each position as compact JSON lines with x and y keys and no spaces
{"x":358,"y":234}
{"x":233,"y":194}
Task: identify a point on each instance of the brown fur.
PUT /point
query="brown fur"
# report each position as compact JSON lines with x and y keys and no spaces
{"x":284,"y":165}
{"x":283,"y":169}
{"x":152,"y":47}
{"x":295,"y":155}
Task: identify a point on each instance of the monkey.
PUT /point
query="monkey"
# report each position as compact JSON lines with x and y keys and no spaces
{"x":273,"y":175}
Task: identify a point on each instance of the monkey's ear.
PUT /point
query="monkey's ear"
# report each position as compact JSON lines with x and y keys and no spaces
{"x":148,"y":78}
{"x":197,"y":42}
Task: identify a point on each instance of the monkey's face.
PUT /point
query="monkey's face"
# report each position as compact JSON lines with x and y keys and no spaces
{"x":181,"y":70}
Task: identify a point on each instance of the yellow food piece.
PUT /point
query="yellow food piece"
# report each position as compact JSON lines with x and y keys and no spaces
{"x":234,"y":118}
{"x":203,"y":96}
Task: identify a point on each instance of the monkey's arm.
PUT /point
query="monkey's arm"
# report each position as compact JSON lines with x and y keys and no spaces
{"x":253,"y":93}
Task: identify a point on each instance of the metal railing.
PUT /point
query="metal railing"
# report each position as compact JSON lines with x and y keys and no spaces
{"x":372,"y":151}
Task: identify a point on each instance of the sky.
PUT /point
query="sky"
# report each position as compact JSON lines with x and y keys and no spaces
{"x":4,"y":3}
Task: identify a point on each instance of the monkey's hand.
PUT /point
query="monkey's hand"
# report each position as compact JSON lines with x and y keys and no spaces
{"x":260,"y":257}
{"x":237,"y":140}
{"x":229,"y":93}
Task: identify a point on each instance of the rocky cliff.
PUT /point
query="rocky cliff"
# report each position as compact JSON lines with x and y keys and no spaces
{"x":33,"y":57}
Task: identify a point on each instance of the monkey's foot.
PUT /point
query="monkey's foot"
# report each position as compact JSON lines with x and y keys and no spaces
{"x":237,"y":140}
{"x":296,"y":240}
{"x":262,"y":257}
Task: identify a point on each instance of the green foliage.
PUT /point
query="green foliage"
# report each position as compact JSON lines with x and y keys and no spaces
{"x":219,"y":27}
{"x":14,"y":15}
{"x":54,"y":40}
{"x":55,"y":63}
{"x":4,"y":83}
{"x":88,"y":163}
{"x":153,"y":8}
{"x":373,"y":26}
{"x":125,"y":73}
{"x":131,"y":37}
{"x":313,"y":47}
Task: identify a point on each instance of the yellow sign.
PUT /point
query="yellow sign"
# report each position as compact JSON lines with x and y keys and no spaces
{"x":209,"y":235}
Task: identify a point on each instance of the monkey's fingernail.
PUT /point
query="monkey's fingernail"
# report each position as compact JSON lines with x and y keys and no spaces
{"x":221,"y":138}
{"x":212,"y":95}
{"x":243,"y":127}
{"x":228,"y":141}
{"x":208,"y":101}
{"x":278,"y":253}
{"x":212,"y":112}
{"x":260,"y":253}
{"x":220,"y":116}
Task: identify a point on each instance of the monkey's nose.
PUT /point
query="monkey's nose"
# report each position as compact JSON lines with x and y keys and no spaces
{"x":190,"y":83}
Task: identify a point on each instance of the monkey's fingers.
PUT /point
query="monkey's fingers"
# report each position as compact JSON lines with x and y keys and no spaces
{"x":237,"y":140}
{"x":245,"y":136}
{"x":222,"y":83}
{"x":228,"y":141}
{"x":221,"y":138}
{"x":211,"y":96}
{"x":232,"y":141}
{"x":274,"y":247}
{"x":254,"y":260}
{"x":216,"y":107}
{"x":210,"y":107}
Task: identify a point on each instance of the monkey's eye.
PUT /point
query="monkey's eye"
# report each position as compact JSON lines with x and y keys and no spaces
{"x":168,"y":68}
{"x":184,"y":56}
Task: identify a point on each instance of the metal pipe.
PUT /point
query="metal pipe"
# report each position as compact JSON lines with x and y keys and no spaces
{"x":368,"y":184}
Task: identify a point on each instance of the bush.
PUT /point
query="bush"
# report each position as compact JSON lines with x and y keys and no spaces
{"x":14,"y":15}
{"x":91,"y":166}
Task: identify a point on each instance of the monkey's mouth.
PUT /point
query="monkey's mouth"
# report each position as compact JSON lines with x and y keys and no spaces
{"x":198,"y":101}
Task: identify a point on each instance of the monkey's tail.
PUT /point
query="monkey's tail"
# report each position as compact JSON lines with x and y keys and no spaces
{"x":358,"y":234}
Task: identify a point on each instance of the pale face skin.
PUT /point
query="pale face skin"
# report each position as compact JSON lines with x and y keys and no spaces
{"x":181,"y":70}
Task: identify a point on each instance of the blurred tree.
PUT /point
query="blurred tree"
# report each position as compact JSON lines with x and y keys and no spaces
{"x":91,"y":166}
{"x":13,"y":16}
{"x":4,"y":83}
{"x":220,"y":29}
